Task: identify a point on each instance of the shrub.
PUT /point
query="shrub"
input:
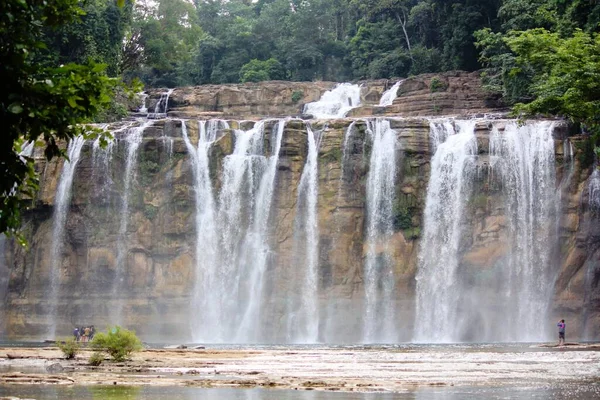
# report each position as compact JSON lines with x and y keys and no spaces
{"x":96,"y":358}
{"x":297,"y":95}
{"x":69,"y":347}
{"x":150,"y":211}
{"x":437,"y":85}
{"x":119,"y":343}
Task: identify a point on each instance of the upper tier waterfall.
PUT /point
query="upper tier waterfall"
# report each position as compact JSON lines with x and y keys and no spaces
{"x":390,"y":95}
{"x":335,"y":103}
{"x":374,"y":228}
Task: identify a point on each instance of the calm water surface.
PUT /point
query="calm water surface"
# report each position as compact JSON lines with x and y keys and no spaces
{"x":41,"y":392}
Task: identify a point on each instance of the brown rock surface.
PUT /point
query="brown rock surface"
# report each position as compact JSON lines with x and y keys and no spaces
{"x":161,"y":226}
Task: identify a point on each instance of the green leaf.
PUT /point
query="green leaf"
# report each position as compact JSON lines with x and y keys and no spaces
{"x":15,"y":108}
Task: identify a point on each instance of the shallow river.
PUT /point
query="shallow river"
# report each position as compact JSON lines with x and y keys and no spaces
{"x":563,"y":391}
{"x":423,"y":372}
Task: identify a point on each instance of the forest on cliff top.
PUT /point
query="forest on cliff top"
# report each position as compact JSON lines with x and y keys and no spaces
{"x":169,"y":43}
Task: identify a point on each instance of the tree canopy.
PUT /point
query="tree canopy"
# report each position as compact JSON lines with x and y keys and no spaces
{"x":41,"y":98}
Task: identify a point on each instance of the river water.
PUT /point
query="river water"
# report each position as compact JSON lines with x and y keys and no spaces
{"x":318,"y":372}
{"x":43,"y":392}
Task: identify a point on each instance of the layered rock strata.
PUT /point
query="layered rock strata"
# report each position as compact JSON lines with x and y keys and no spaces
{"x":160,"y":258}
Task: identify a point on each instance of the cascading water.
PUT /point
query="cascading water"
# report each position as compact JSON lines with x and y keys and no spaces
{"x":62,"y":202}
{"x":378,"y":269}
{"x":594,"y":190}
{"x":143,"y":109}
{"x":205,"y":315}
{"x":335,"y":103}
{"x":232,"y":234}
{"x":162,"y":106}
{"x":303,"y":323}
{"x":133,"y":139}
{"x":388,"y":97}
{"x":448,"y":192}
{"x":242,"y":172}
{"x":257,"y":246}
{"x":524,"y":161}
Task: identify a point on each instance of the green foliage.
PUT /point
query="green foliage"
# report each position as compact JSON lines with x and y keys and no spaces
{"x":297,"y":95}
{"x":119,"y":343}
{"x":412,"y":233}
{"x":149,"y":167}
{"x":334,"y":155}
{"x":70,"y":347}
{"x":585,"y":152}
{"x":150,"y":211}
{"x":402,"y":217}
{"x":96,"y":359}
{"x":39,"y":99}
{"x":566,"y":74}
{"x":256,"y":71}
{"x":437,"y":85}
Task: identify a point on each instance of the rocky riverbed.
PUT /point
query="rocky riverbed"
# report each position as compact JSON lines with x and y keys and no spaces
{"x":344,"y":369}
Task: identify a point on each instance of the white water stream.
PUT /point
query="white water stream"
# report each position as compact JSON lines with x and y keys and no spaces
{"x":335,"y":103}
{"x":388,"y":97}
{"x":62,"y":202}
{"x":448,"y":192}
{"x":303,"y":324}
{"x":133,"y":139}
{"x":379,"y":315}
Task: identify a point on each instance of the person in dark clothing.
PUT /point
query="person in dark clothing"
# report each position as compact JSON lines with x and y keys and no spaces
{"x":561,"y":332}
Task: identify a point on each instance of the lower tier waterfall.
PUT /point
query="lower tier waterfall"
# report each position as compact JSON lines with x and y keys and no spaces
{"x":507,"y":299}
{"x":349,"y":230}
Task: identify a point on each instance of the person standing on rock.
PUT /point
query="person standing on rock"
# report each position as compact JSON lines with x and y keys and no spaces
{"x":561,"y":332}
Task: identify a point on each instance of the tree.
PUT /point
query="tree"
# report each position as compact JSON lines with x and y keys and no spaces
{"x":39,"y":100}
{"x":256,"y":71}
{"x":566,"y":74}
{"x":162,"y":43}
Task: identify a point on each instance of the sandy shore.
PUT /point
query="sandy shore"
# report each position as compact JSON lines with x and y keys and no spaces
{"x":343,"y":369}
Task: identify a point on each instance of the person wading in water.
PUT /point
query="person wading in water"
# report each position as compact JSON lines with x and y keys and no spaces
{"x":561,"y":332}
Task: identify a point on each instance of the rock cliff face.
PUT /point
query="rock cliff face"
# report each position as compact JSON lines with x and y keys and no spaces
{"x":156,"y":289}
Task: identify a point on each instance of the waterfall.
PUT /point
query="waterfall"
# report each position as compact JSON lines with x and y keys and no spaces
{"x":304,"y":324}
{"x":27,"y":150}
{"x":524,"y":161}
{"x":205,"y":311}
{"x":332,"y":317}
{"x":133,"y":139}
{"x":257,"y":245}
{"x":388,"y":97}
{"x":594,"y":190}
{"x":143,"y":109}
{"x":162,"y":106}
{"x":232,"y":233}
{"x":335,"y":103}
{"x":448,"y":192}
{"x":101,"y":164}
{"x":378,"y":270}
{"x":62,"y":202}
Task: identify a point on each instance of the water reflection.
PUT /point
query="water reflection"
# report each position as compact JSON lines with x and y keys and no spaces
{"x":577,"y":391}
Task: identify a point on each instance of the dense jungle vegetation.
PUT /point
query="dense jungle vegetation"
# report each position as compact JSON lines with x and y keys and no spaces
{"x":63,"y":62}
